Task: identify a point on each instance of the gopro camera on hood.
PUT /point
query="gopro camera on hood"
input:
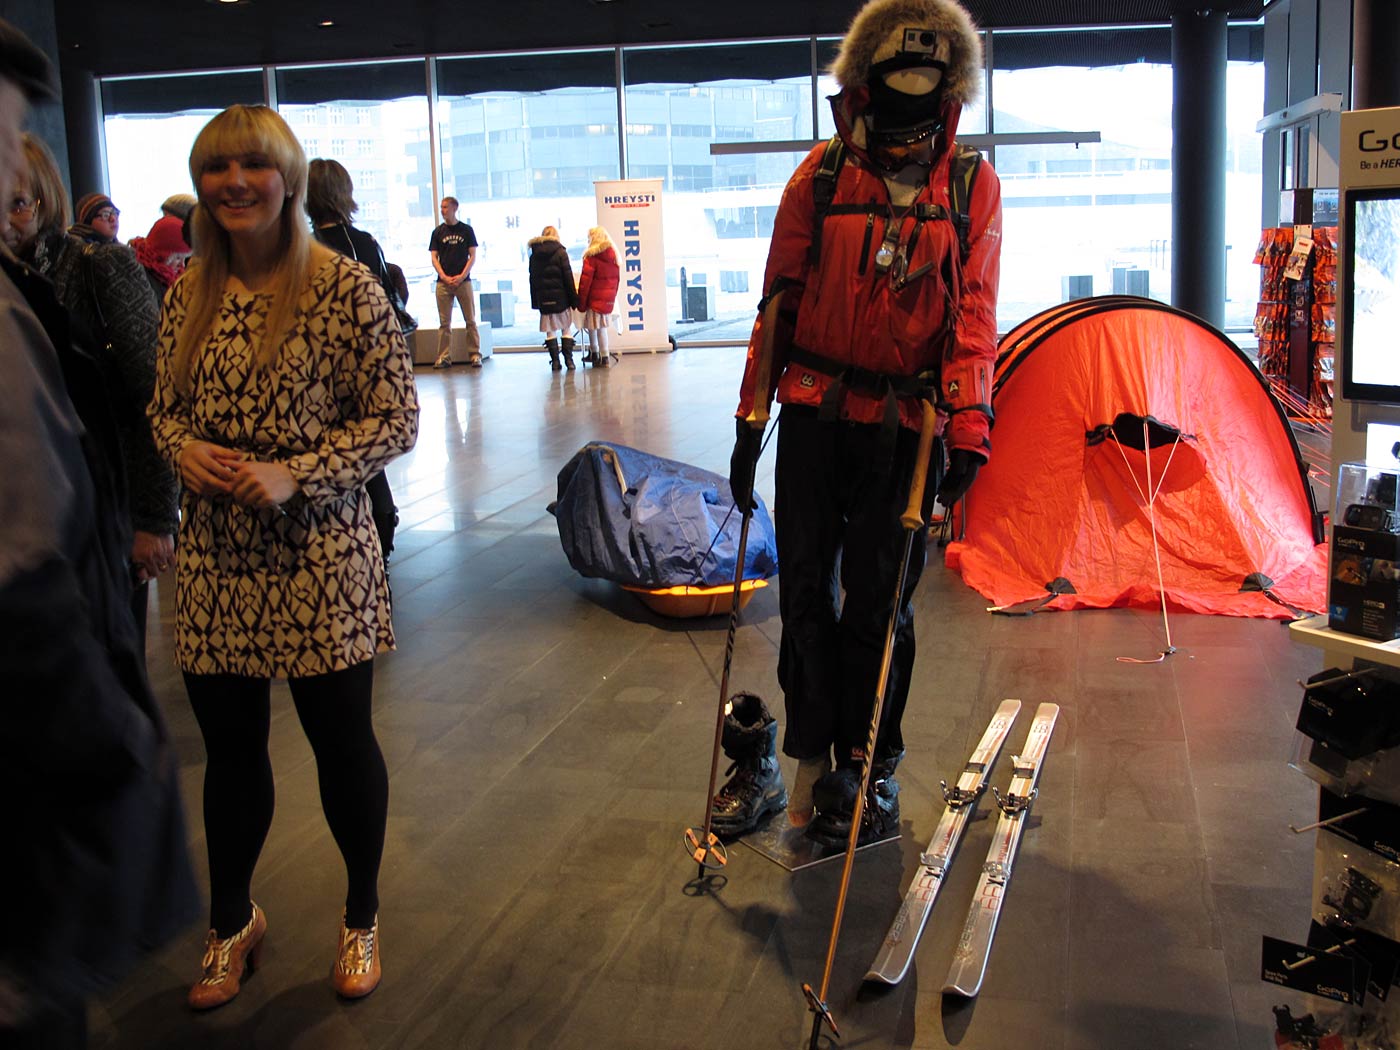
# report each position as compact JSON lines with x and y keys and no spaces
{"x":920,"y":42}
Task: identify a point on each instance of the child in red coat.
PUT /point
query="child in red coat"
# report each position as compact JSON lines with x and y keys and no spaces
{"x":597,"y":294}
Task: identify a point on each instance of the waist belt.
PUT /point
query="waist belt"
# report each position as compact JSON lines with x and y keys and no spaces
{"x":888,"y":387}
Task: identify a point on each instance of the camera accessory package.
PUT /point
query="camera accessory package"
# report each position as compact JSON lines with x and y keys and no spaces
{"x":1350,"y":955}
{"x":1348,"y":732}
{"x":1364,"y":589}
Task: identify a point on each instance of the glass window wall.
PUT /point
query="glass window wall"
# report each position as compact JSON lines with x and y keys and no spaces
{"x":149,"y":125}
{"x":1097,"y":218}
{"x":718,"y":210}
{"x":373,"y":118}
{"x":522,"y":140}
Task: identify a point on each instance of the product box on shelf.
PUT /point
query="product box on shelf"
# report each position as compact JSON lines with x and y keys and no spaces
{"x":1364,"y":591}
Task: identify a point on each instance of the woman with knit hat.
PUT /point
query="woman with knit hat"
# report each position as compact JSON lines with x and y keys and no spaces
{"x":97,"y":218}
{"x":162,"y":253}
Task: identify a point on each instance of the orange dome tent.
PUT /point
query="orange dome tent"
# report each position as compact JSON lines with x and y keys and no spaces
{"x":1135,"y":443}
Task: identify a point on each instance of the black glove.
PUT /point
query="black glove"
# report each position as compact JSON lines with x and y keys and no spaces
{"x":748,"y":442}
{"x":958,"y":478}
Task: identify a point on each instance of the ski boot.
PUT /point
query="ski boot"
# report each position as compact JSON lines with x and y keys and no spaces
{"x":552,"y":345}
{"x":566,"y":345}
{"x":755,"y":785}
{"x":834,"y":797}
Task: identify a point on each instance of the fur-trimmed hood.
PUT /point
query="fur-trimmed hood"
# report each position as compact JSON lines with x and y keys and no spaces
{"x":541,"y":241}
{"x":598,"y":248}
{"x":879,"y":18}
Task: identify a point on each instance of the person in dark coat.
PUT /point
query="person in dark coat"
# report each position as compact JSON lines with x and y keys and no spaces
{"x":552,"y":293}
{"x":107,"y":293}
{"x":96,"y":867}
{"x":330,"y":201}
{"x":597,"y":295}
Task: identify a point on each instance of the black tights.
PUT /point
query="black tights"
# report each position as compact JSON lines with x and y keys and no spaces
{"x":234,"y":714}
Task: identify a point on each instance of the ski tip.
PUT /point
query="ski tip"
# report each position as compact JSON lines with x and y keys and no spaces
{"x":881,"y":977}
{"x":955,"y":992}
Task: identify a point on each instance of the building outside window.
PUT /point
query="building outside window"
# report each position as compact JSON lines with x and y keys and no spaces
{"x":373,"y":118}
{"x":523,"y":138}
{"x":679,"y":101}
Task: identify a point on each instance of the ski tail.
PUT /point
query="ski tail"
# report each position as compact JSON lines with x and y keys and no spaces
{"x":975,"y":945}
{"x":902,"y":939}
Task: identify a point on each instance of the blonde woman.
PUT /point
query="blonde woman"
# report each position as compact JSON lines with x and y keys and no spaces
{"x":597,"y":294}
{"x":282,"y":384}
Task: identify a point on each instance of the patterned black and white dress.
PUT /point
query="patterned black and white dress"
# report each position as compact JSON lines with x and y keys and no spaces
{"x":264,"y":593}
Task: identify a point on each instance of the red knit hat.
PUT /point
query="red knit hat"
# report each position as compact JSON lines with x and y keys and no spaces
{"x":167,"y":237}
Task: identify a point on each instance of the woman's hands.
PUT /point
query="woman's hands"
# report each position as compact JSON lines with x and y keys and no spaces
{"x":258,"y":484}
{"x":214,"y":471}
{"x":207,"y":469}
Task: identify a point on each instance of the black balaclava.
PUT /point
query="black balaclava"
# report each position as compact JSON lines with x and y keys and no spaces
{"x":899,"y":121}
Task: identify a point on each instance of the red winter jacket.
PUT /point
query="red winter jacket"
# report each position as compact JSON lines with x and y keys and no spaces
{"x":597,"y":285}
{"x":847,"y":312}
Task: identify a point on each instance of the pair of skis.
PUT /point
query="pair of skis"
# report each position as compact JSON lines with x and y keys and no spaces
{"x":975,"y":944}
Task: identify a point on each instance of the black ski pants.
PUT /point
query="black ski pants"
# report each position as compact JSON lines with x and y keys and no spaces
{"x":837,"y":510}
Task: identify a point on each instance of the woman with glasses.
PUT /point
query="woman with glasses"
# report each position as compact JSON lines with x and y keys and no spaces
{"x":283,"y":383}
{"x":104,"y":287}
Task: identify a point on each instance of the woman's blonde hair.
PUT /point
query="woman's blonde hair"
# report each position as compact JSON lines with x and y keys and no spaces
{"x":237,"y":131}
{"x":598,"y":235}
{"x":46,"y":185}
{"x":550,"y":231}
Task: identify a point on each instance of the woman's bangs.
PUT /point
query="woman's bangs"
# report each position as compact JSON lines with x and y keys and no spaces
{"x":242,"y":130}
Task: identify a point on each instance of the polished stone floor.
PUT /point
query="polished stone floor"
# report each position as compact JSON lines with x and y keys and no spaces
{"x":548,"y":741}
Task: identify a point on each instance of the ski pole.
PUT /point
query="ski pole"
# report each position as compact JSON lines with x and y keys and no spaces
{"x":913,"y":521}
{"x":702,"y":843}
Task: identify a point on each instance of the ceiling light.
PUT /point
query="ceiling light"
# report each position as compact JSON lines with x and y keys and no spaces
{"x":326,"y":23}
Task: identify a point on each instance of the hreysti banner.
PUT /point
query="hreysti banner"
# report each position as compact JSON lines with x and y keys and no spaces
{"x":630,"y":210}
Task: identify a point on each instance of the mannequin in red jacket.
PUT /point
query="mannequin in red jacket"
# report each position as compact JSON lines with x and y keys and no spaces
{"x":878,"y":309}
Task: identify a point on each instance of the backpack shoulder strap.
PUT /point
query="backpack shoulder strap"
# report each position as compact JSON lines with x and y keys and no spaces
{"x":962,"y":176}
{"x":824,"y":192}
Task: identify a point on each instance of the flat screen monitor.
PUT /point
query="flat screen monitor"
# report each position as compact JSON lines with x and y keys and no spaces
{"x":1371,"y":340}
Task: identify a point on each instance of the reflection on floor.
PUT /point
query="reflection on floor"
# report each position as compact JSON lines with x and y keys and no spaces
{"x":548,"y":742}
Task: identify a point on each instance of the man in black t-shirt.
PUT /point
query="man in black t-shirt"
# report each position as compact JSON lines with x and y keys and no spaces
{"x":453,"y":250}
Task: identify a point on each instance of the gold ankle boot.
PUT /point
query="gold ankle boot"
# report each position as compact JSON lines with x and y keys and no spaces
{"x":226,"y":961}
{"x":356,"y":971}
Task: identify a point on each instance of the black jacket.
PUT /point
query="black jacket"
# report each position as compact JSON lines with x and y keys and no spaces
{"x":116,"y":310}
{"x":363,"y":248}
{"x":96,"y":861}
{"x":552,"y":288}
